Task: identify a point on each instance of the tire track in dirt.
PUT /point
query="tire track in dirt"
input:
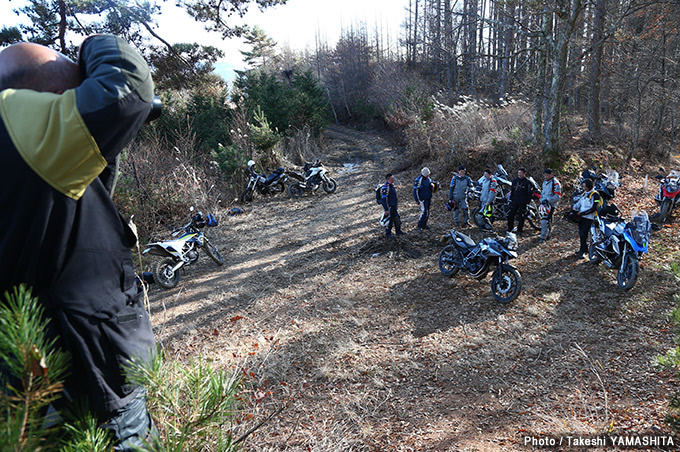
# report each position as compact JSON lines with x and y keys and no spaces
{"x":368,"y":347}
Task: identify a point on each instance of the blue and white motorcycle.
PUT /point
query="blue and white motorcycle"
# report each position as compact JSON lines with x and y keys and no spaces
{"x":477,"y":258}
{"x":183,"y":250}
{"x":620,"y":244}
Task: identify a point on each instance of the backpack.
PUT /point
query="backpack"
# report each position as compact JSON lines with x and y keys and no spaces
{"x":378,"y":194}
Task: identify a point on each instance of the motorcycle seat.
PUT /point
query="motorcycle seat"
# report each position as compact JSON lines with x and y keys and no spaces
{"x":272,"y":177}
{"x":464,"y":240}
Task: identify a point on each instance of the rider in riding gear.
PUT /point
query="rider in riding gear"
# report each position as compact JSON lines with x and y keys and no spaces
{"x":520,"y":195}
{"x":586,"y":207}
{"x":460,"y":184}
{"x":388,"y":199}
{"x":551,"y":193}
{"x":422,"y":194}
{"x":487,"y":196}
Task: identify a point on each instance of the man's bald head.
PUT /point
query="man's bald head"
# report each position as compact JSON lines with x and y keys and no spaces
{"x":31,"y":66}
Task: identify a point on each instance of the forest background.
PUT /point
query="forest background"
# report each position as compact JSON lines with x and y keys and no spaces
{"x":462,"y":74}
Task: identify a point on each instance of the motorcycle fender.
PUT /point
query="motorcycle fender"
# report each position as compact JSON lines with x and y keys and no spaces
{"x":158,"y":250}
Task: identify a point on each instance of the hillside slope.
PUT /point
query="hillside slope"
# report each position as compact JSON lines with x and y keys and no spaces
{"x":364,"y":345}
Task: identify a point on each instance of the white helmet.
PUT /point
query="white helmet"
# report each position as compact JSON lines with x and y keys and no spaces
{"x":544,"y":210}
{"x":251,"y":163}
{"x":384,"y":219}
{"x":425,"y":172}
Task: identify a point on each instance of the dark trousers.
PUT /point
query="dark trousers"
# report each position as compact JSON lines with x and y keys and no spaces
{"x":584,"y":225}
{"x":424,"y":212}
{"x":516,"y":210}
{"x":395,"y":220}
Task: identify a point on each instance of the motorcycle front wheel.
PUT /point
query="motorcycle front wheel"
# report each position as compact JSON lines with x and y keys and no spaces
{"x":164,"y":275}
{"x":593,"y":257}
{"x":506,"y":283}
{"x":246,"y":196}
{"x":477,"y":218}
{"x":628,"y":272}
{"x":329,"y":185}
{"x":213,"y":252}
{"x":665,"y":210}
{"x":294,"y":190}
{"x":447,"y":260}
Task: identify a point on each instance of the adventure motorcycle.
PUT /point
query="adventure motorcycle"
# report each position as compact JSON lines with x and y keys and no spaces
{"x":605,"y":184}
{"x":315,"y":176}
{"x":668,"y":196}
{"x":476,"y":259}
{"x":620,"y":245}
{"x":270,"y":185}
{"x":183,"y":250}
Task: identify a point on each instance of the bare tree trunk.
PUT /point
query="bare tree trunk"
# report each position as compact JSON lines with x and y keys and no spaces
{"x":565,"y":27}
{"x":594,"y":121}
{"x":542,"y":65}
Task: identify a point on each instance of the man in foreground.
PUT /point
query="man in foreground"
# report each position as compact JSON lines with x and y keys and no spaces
{"x":62,"y":126}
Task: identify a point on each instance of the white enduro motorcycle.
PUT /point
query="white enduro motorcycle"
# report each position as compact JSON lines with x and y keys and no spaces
{"x":315,"y":176}
{"x":182,"y":250}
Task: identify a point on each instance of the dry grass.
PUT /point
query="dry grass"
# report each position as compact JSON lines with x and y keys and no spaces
{"x":363,"y":345}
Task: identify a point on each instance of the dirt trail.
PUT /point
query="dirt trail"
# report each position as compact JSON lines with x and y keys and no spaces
{"x":366,"y":346}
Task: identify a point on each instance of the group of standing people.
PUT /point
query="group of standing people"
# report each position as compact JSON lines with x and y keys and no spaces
{"x":461,"y":184}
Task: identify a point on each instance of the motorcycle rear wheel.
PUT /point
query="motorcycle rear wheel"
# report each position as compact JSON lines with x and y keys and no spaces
{"x":278,"y":188}
{"x":246,"y":196}
{"x":506,"y":286}
{"x":446,"y":256}
{"x":213,"y":252}
{"x":628,"y":273}
{"x":329,"y":186}
{"x":164,"y":275}
{"x":294,"y":190}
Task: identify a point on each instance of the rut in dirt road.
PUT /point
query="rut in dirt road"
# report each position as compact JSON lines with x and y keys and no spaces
{"x":366,"y":346}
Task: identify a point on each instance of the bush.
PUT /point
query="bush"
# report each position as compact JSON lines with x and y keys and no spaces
{"x":191,"y":405}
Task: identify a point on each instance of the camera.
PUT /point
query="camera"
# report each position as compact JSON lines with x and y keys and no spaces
{"x":156,"y":107}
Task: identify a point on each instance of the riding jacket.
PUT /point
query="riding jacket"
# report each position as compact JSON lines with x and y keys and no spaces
{"x":61,"y":233}
{"x":588,"y":204}
{"x":388,"y":196}
{"x":459,"y":187}
{"x":489,"y":190}
{"x":422,"y":188}
{"x":551,"y":191}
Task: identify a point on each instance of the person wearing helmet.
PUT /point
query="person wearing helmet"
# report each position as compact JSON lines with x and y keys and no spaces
{"x":487,"y":197}
{"x":460,"y":184}
{"x":551,"y":193}
{"x":423,"y":188}
{"x":388,"y":199}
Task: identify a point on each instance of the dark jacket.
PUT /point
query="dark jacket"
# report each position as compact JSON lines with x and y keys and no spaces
{"x":61,"y":233}
{"x":388,"y":196}
{"x":422,"y":188}
{"x":521,"y":191}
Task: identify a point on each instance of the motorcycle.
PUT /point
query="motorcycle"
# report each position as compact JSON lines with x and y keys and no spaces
{"x":315,"y":176}
{"x":476,"y":259}
{"x":270,"y":185}
{"x":605,"y":184}
{"x":620,"y":244}
{"x":183,"y":250}
{"x":668,"y":196}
